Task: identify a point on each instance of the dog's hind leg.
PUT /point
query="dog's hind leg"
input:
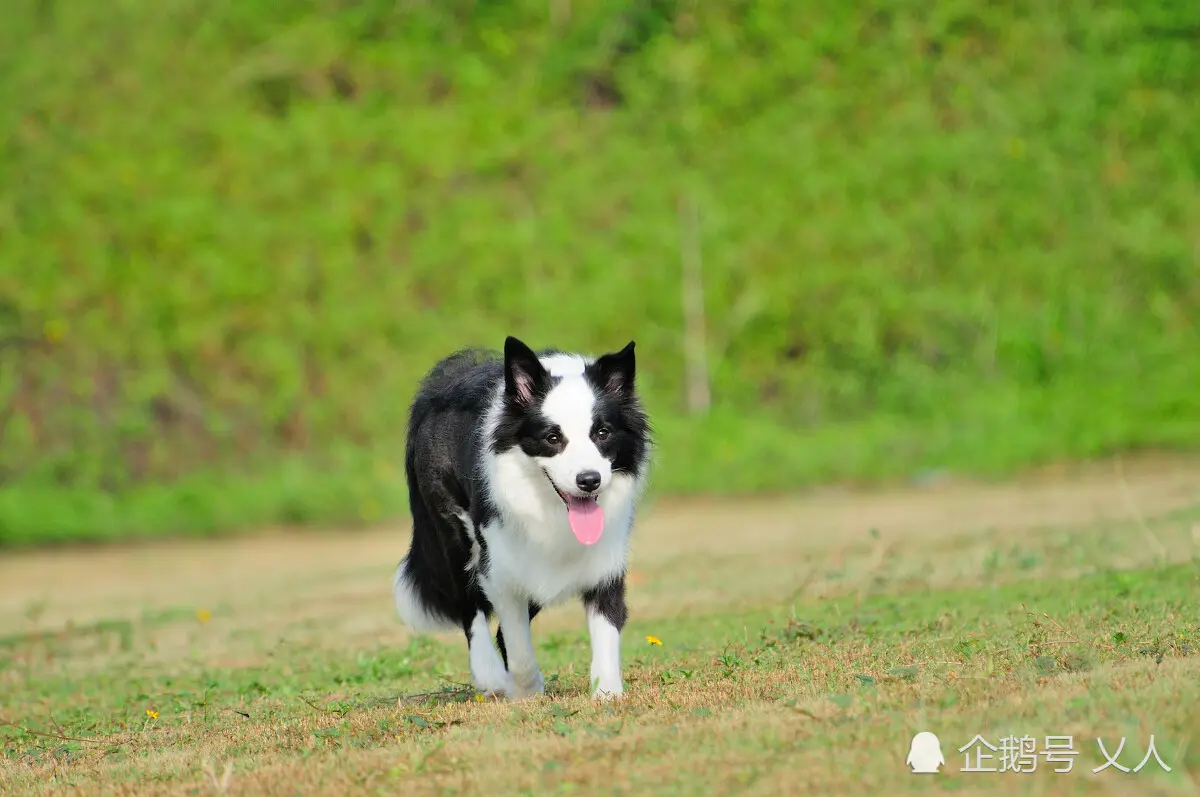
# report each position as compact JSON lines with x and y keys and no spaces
{"x":606,"y":615}
{"x":489,"y":674}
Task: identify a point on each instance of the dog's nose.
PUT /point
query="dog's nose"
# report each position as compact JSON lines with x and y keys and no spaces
{"x":588,"y":481}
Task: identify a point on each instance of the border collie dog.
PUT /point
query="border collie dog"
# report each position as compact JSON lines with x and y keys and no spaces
{"x":523,"y":474}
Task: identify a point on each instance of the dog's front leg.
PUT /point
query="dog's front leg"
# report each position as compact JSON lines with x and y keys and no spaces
{"x":606,"y":615}
{"x":513,"y":614}
{"x":488,"y":672}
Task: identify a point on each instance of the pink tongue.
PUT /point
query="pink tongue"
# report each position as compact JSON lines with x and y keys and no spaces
{"x":586,"y":519}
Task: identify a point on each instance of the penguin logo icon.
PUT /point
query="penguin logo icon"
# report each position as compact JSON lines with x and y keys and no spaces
{"x":925,"y":754}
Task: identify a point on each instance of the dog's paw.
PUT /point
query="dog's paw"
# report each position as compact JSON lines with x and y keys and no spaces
{"x":527,"y":686}
{"x":607,"y":692}
{"x":601,"y":696}
{"x":494,"y":684}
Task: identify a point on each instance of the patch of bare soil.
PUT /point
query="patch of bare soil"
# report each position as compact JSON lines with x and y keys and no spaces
{"x":347,"y":573}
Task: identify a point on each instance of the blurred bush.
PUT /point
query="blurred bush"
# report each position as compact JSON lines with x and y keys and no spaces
{"x":234,"y":234}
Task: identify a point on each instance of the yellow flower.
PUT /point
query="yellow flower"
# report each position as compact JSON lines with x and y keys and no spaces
{"x":480,"y":699}
{"x":203,"y":615}
{"x":151,"y":713}
{"x":653,"y":640}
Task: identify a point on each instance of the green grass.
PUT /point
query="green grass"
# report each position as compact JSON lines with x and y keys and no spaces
{"x":232,"y":236}
{"x":752,"y":695}
{"x":1067,"y":630}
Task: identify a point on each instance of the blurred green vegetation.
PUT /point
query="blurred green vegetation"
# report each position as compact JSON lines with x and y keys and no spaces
{"x":233,"y":234}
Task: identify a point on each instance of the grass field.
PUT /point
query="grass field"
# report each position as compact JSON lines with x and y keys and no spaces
{"x":803,"y":642}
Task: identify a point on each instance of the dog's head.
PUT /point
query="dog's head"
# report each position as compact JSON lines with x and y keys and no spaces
{"x":578,"y":420}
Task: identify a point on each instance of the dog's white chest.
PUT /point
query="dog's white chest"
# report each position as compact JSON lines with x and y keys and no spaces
{"x":548,"y":565}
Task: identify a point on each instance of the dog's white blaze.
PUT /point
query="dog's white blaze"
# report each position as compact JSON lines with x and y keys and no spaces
{"x":569,"y":405}
{"x":606,"y":655}
{"x":564,"y":364}
{"x":487,"y":668}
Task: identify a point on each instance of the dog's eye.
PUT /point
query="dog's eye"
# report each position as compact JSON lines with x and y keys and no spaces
{"x":602,"y":433}
{"x":553,"y":438}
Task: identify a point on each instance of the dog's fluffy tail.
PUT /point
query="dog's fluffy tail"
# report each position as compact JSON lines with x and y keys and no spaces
{"x":411,"y":608}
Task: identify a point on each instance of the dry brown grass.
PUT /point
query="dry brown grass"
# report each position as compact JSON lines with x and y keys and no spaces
{"x":288,"y":681}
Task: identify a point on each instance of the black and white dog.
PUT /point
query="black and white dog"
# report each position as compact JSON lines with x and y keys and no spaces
{"x":523,"y":475}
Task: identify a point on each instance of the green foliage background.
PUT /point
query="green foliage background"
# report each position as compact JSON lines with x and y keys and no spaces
{"x":233,"y":234}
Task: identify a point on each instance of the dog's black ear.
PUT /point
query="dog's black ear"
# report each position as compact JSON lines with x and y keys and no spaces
{"x":523,"y":372}
{"x":614,"y":372}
